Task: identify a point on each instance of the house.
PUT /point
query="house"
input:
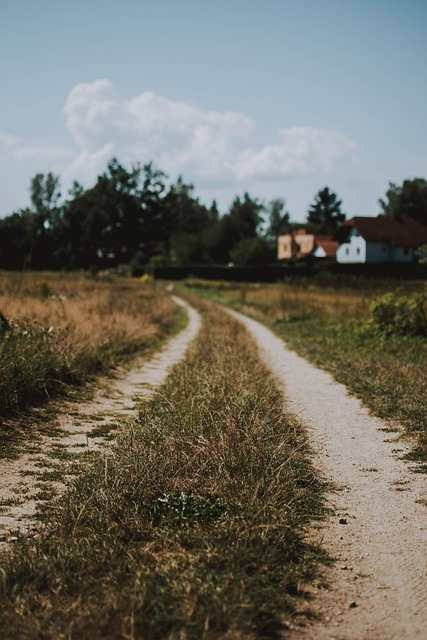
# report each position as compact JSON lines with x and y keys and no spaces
{"x":303,"y":244}
{"x":380,"y":240}
{"x":325,"y":247}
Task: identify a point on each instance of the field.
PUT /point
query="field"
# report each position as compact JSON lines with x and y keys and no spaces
{"x":59,"y":331}
{"x":191,"y":526}
{"x":200,"y":516}
{"x":328,"y":322}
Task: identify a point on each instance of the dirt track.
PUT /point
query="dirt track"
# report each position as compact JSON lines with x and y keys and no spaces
{"x":377,"y":589}
{"x":22,"y":483}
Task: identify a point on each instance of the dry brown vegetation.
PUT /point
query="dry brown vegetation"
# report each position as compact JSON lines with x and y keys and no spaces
{"x":191,"y":527}
{"x":63,"y":329}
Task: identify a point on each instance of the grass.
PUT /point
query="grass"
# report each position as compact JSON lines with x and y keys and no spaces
{"x":65,"y":329}
{"x":190,"y":527}
{"x":324,"y":323}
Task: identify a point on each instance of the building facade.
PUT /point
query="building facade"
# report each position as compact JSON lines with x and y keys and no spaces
{"x":301,"y":244}
{"x":380,"y":240}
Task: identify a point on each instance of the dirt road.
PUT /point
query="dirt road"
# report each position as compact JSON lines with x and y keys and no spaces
{"x":28,"y":480}
{"x":377,"y":589}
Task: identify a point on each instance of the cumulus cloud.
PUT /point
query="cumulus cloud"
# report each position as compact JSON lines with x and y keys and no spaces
{"x":178,"y":136}
{"x":215,"y":149}
{"x":211,"y":147}
{"x":299,"y":151}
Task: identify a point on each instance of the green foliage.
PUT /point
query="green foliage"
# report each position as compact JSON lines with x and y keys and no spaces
{"x":325,"y":215}
{"x":396,"y":314}
{"x":406,"y":200}
{"x":45,"y":193}
{"x":186,"y":248}
{"x":252,"y":252}
{"x":278,"y":219}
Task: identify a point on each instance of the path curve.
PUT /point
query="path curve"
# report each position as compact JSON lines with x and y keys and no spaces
{"x":377,"y":589}
{"x":117,"y":398}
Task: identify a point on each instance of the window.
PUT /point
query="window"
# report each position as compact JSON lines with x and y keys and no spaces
{"x":358,"y":251}
{"x":347,"y":251}
{"x":406,"y":252}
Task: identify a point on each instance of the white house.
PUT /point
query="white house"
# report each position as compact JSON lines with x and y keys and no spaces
{"x":375,"y":240}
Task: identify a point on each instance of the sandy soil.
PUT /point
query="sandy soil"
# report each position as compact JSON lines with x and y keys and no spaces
{"x":377,"y":588}
{"x":30,"y":479}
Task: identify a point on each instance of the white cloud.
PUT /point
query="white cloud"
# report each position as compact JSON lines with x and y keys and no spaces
{"x":299,"y":151}
{"x":215,"y":149}
{"x":210,"y":147}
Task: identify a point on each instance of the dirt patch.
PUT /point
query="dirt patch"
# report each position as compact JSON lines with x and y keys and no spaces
{"x":36,"y":476}
{"x":377,"y":588}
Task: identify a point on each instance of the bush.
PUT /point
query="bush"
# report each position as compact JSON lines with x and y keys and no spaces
{"x":402,"y":315}
{"x":252,"y":252}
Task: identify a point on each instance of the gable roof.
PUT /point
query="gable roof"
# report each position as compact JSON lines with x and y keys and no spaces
{"x":328,"y":244}
{"x":403,"y":232}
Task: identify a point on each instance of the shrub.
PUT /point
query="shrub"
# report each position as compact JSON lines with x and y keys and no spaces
{"x":402,"y":315}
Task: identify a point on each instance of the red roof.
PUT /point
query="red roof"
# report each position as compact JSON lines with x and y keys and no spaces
{"x":328,"y":244}
{"x":404,"y":232}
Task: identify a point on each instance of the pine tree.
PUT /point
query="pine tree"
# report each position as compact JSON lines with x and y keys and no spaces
{"x":325,"y":215}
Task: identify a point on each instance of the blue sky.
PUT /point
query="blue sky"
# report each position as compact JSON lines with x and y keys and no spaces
{"x":275,"y":97}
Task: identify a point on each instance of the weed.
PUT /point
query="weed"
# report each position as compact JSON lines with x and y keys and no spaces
{"x":396,"y":314}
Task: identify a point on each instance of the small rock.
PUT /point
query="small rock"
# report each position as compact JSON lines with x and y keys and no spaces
{"x":342,"y":520}
{"x":352,"y":605}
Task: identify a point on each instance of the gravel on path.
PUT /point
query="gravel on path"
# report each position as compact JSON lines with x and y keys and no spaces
{"x":377,"y":588}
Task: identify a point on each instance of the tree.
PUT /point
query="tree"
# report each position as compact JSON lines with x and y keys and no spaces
{"x":45,"y":192}
{"x":186,"y":248}
{"x":117,"y":219}
{"x":252,"y":252}
{"x":407,"y":200}
{"x":245,"y":216}
{"x":16,"y":239}
{"x":278,"y":219}
{"x":325,"y":215}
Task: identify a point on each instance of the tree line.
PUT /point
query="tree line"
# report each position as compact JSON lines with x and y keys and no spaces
{"x":134,"y":216}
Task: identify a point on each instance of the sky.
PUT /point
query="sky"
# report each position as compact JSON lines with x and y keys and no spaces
{"x":275,"y":97}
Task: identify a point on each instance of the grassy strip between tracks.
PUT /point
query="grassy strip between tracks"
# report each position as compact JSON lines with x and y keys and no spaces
{"x":191,"y":527}
{"x":325,"y":324}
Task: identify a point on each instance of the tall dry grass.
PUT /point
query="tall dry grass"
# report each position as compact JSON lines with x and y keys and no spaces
{"x":65,"y":328}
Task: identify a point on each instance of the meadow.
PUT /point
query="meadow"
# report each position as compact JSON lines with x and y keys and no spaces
{"x":333,"y":324}
{"x":58,"y":331}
